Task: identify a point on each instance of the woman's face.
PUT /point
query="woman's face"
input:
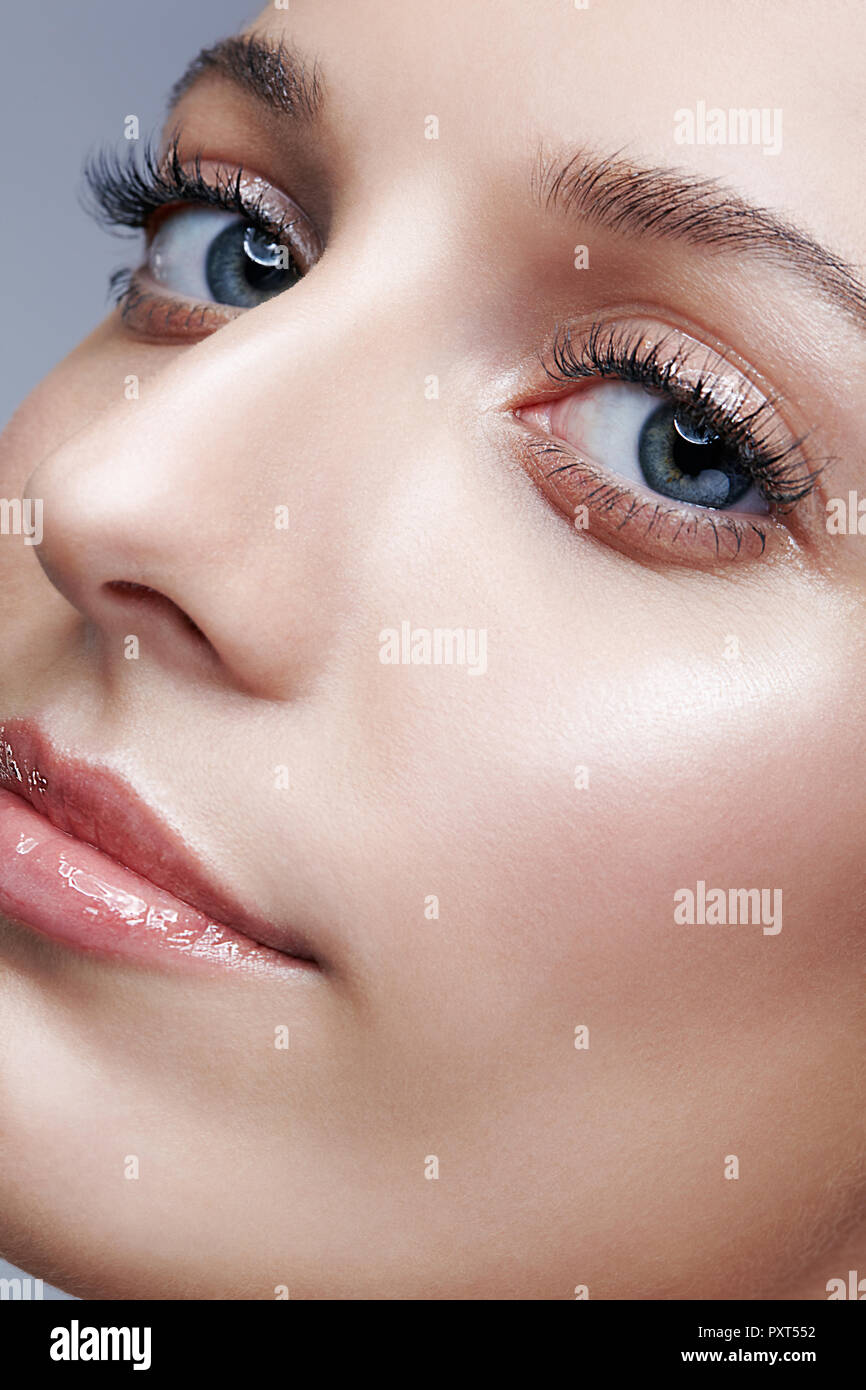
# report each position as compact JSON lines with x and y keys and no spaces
{"x":529,"y":422}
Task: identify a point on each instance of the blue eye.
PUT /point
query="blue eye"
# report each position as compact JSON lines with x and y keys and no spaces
{"x":640,"y":438}
{"x":686,"y":463}
{"x":219,"y":257}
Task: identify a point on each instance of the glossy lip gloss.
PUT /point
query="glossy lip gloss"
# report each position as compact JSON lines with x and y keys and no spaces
{"x":84,"y":861}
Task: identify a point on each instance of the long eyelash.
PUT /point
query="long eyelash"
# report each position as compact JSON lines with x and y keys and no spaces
{"x":121,"y":193}
{"x":775,"y":464}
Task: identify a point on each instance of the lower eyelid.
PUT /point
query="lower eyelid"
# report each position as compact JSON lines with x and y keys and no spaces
{"x":156,"y":316}
{"x":611,"y":510}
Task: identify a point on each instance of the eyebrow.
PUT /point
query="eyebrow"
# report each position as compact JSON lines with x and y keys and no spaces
{"x":276,"y":74}
{"x":610,"y":191}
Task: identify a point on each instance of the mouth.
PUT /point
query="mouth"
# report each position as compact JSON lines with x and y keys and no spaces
{"x":85,"y":861}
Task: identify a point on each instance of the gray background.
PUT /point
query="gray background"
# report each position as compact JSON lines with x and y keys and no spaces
{"x":69,"y":74}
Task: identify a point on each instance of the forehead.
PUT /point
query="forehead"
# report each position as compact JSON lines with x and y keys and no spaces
{"x":502,"y":75}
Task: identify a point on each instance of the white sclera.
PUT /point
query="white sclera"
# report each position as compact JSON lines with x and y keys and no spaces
{"x":178,"y":252}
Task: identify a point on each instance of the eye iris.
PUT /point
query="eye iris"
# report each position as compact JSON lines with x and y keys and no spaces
{"x":686,"y":462}
{"x":245,"y":268}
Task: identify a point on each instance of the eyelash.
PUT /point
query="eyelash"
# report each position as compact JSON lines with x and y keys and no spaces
{"x":120,"y":193}
{"x":775,"y":464}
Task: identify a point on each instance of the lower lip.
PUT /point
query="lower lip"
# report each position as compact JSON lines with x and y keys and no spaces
{"x":70,"y":891}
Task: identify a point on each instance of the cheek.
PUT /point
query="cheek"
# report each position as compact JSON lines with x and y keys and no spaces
{"x":595,"y":771}
{"x":581,"y":786}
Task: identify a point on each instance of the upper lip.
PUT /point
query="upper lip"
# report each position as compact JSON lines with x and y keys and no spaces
{"x":96,"y":805}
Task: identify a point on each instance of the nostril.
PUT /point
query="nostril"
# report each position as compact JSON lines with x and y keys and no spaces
{"x":142,"y":594}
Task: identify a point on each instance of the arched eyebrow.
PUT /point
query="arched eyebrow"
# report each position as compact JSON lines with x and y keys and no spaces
{"x":611,"y":192}
{"x":275,"y":73}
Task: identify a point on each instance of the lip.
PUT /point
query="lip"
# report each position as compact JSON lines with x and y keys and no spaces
{"x":85,"y":861}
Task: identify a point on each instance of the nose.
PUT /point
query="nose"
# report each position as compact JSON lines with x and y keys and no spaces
{"x":218,"y":517}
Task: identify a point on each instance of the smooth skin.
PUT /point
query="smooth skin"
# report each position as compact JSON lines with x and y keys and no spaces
{"x":454,"y":1036}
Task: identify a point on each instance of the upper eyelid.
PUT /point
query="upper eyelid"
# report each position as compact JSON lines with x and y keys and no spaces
{"x":674,"y":371}
{"x":122,"y":191}
{"x":248,"y":210}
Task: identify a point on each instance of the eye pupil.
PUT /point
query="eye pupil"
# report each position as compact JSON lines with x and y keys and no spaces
{"x":685,"y":461}
{"x":245,"y":267}
{"x":692,"y":434}
{"x":267,"y":259}
{"x":693,"y":449}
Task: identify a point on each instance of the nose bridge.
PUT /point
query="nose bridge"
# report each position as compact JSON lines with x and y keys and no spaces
{"x":250,"y":463}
